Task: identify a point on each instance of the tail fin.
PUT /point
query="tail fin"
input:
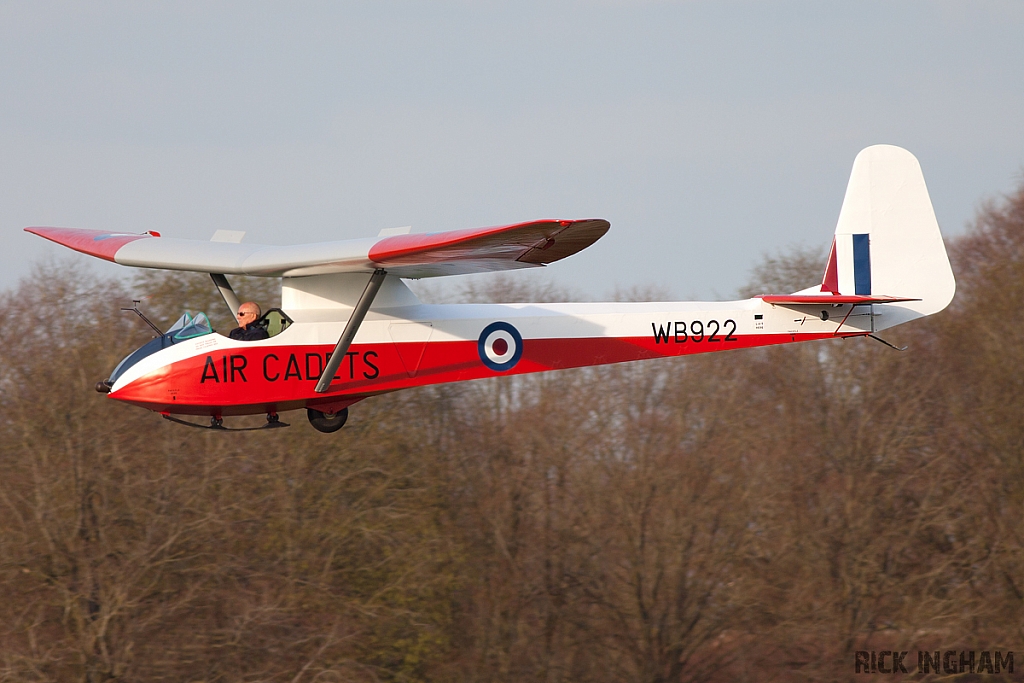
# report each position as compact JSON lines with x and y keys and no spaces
{"x":887,"y":241}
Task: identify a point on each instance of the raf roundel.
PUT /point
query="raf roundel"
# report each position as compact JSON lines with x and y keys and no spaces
{"x":500,"y":346}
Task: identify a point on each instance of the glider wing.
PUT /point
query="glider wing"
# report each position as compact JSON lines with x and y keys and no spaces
{"x":456,"y":252}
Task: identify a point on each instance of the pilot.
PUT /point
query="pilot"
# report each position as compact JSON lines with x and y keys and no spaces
{"x":247,"y":330}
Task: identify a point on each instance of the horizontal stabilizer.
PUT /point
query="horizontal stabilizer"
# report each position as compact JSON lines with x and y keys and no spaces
{"x":826,"y":299}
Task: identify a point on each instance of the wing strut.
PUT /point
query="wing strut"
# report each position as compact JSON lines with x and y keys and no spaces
{"x":224,"y":287}
{"x":354,"y":321}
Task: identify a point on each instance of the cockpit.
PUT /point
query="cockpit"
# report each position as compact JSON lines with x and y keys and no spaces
{"x":188,"y":327}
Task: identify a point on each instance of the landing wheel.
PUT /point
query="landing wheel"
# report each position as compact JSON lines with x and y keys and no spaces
{"x":327,"y":422}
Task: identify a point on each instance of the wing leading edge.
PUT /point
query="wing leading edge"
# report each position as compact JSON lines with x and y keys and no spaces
{"x":456,"y":252}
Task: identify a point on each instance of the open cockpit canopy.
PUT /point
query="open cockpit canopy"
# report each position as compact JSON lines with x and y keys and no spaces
{"x":187,"y":327}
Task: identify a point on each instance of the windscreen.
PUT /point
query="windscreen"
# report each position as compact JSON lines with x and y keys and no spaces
{"x":186,"y":327}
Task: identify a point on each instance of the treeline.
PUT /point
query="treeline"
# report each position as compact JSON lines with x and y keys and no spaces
{"x":747,"y":516}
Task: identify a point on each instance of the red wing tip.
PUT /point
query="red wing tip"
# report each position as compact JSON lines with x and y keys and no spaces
{"x":100,"y":243}
{"x":414,"y":245}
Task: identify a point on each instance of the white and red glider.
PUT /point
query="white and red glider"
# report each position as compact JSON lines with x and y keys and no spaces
{"x":349,"y":327}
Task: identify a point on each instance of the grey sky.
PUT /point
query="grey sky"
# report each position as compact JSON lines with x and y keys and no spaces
{"x":707,"y":132}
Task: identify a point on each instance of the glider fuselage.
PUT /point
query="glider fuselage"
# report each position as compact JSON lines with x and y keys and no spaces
{"x":407,"y":346}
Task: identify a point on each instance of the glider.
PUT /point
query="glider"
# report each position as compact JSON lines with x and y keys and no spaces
{"x":349,"y":327}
